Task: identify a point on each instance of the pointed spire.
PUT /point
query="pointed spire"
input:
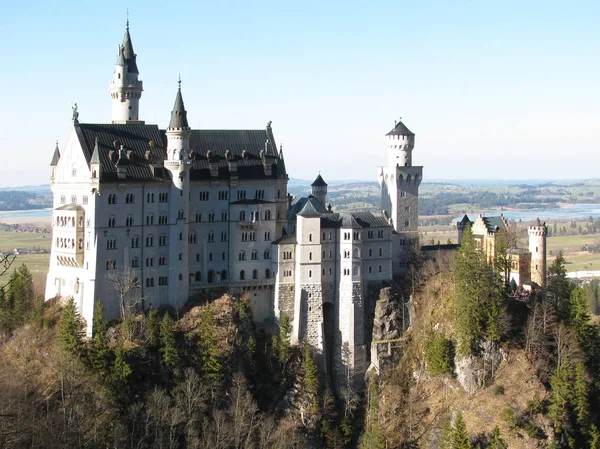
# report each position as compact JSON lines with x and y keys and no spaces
{"x":319,"y":182}
{"x":56,"y":156}
{"x":179,"y":114}
{"x":96,"y":154}
{"x":400,"y":130}
{"x":120,"y":57}
{"x":128,"y":53}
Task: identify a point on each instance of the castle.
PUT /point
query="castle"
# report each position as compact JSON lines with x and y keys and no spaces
{"x":144,"y":216}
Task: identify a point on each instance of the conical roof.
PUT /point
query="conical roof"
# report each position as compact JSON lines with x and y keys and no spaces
{"x":121,"y":57}
{"x":400,"y":130}
{"x":319,"y":182}
{"x":179,"y":114}
{"x":128,"y":53}
{"x":56,"y":156}
{"x":96,"y":154}
{"x":312,"y":208}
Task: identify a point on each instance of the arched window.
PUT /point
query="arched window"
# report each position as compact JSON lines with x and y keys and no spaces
{"x":242,"y":215}
{"x":242,"y":255}
{"x":267,"y":274}
{"x":198,"y":276}
{"x":224,"y":275}
{"x":267,"y":254}
{"x":268,"y":214}
{"x":254,"y":274}
{"x":242,"y":275}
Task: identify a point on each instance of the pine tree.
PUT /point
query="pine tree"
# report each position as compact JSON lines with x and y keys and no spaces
{"x":18,"y":299}
{"x":496,"y":442}
{"x":478,"y":299}
{"x":153,"y":328}
{"x":581,"y":405}
{"x":561,"y":398}
{"x":460,"y":437}
{"x":208,"y":345}
{"x":558,"y":286}
{"x":310,"y":379}
{"x":285,"y":331}
{"x":71,"y":329}
{"x":117,"y":380}
{"x":168,"y":343}
{"x":100,"y":354}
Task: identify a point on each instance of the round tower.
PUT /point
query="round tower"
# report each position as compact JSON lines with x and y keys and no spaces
{"x":125,"y":88}
{"x":461,"y":226}
{"x":319,"y":189}
{"x":537,"y":247}
{"x":400,"y":143}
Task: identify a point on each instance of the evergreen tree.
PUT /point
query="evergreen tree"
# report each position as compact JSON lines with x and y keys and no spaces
{"x":460,"y":436}
{"x":285,"y":332}
{"x":153,"y":328}
{"x":578,"y":316}
{"x":208,"y":345}
{"x":558,"y":286}
{"x":118,"y":378}
{"x":17,"y":300}
{"x":478,"y":299}
{"x":561,"y":398}
{"x":310,"y":379}
{"x":71,"y":329}
{"x":100,"y":354}
{"x":168,"y":343}
{"x":581,"y":405}
{"x":496,"y":442}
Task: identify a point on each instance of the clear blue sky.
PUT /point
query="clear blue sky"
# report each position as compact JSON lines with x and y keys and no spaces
{"x":506,"y":90}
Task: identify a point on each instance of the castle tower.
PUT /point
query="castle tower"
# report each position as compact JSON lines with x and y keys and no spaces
{"x":54,"y":162}
{"x":537,"y":248}
{"x":178,"y":163}
{"x":399,"y":182}
{"x":125,"y":88}
{"x":461,"y":226}
{"x":319,"y":190}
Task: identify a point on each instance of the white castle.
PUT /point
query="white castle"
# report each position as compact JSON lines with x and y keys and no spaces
{"x":147,"y":217}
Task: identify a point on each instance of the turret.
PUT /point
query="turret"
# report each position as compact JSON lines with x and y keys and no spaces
{"x":319,"y":189}
{"x":461,"y":226}
{"x":125,"y":88}
{"x":54,"y":162}
{"x":178,"y":134}
{"x":400,"y":143}
{"x":537,"y":247}
{"x":95,"y":168}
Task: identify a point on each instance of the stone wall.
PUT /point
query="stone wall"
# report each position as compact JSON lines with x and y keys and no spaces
{"x":286,"y":294}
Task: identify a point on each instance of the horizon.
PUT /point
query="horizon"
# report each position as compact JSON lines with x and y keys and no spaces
{"x":490,"y":90}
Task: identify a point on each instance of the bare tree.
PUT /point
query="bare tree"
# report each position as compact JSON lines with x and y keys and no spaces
{"x":127,"y":286}
{"x":6,"y":261}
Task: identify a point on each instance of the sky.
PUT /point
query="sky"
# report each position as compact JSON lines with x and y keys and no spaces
{"x":492,"y":90}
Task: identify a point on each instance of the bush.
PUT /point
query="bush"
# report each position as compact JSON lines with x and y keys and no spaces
{"x":508,"y":416}
{"x":499,"y":390}
{"x":439,"y":354}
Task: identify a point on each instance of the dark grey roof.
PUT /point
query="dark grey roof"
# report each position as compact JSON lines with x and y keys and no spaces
{"x":179,"y":115}
{"x":465,"y":220}
{"x":319,"y":182}
{"x":244,"y":147}
{"x":440,"y":247}
{"x":55,"y":156}
{"x":286,"y":240}
{"x":138,"y":139}
{"x":494,"y":224}
{"x":400,"y":130}
{"x":252,"y":201}
{"x":130,"y":56}
{"x":121,"y":57}
{"x":281,"y":172}
{"x":312,"y":208}
{"x":355,"y":220}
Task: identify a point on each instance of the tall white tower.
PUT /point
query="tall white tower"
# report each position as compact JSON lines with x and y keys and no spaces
{"x":537,"y":248}
{"x":178,"y":163}
{"x":125,"y":88}
{"x":399,"y":182}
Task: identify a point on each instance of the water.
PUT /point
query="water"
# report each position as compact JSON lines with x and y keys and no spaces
{"x":570,"y":212}
{"x":26,"y":213}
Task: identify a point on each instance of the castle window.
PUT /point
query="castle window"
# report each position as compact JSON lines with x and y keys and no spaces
{"x":73,"y":199}
{"x":309,"y":256}
{"x":150,"y":198}
{"x":254,"y":274}
{"x":267,"y":274}
{"x":267,"y":236}
{"x":407,"y":209}
{"x":355,"y":271}
{"x":330,"y":254}
{"x":198,"y":276}
{"x":329,"y":271}
{"x":163,"y":197}
{"x":111,"y":243}
{"x":223,"y":256}
{"x":346,"y":254}
{"x":346,"y":236}
{"x":180,"y":213}
{"x":402,"y":194}
{"x":380,"y":269}
{"x":242,"y":215}
{"x":267,"y":214}
{"x":149,"y":241}
{"x":242,"y":255}
{"x":403,"y":241}
{"x":162,"y":240}
{"x":406,"y":223}
{"x":204,"y":196}
{"x":370,"y":270}
{"x":241,"y":194}
{"x":112,"y":198}
{"x":63,"y":199}
{"x":309,"y":273}
{"x":380,"y":234}
{"x":223,"y":195}
{"x":129,"y":220}
{"x":370,"y":253}
{"x":242,"y":275}
{"x":223,"y":236}
{"x":536,"y":249}
{"x":323,"y":272}
{"x":210,"y":257}
{"x":111,"y":222}
{"x":310,"y":237}
{"x":149,"y":282}
{"x":211,"y":216}
{"x":163,"y":280}
{"x":370,"y":234}
{"x":181,"y":236}
{"x":267,"y":254}
{"x":255,"y":255}
{"x":197,"y":257}
{"x":211,"y":236}
{"x":259,"y":194}
{"x":180,"y":256}
{"x":223,"y":216}
{"x":111,"y":264}
{"x":150,"y":220}
{"x":193,"y":238}
{"x":380,"y":252}
{"x":198,"y":217}
{"x":163,"y":219}
{"x":135,"y":262}
{"x":162,"y":261}
{"x":224,"y":275}
{"x":135,"y":242}
{"x":129,"y":198}
{"x":149,"y":261}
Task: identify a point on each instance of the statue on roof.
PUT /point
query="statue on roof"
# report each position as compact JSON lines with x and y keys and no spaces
{"x":75,"y":112}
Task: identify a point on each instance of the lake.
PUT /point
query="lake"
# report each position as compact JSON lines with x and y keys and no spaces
{"x":570,"y":212}
{"x":25,"y":213}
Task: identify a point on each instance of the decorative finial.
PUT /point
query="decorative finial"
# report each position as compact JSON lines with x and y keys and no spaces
{"x":179,"y":82}
{"x":127,"y":23}
{"x":269,"y":124}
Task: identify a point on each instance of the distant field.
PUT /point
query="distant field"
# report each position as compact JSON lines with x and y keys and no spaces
{"x":37,"y":263}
